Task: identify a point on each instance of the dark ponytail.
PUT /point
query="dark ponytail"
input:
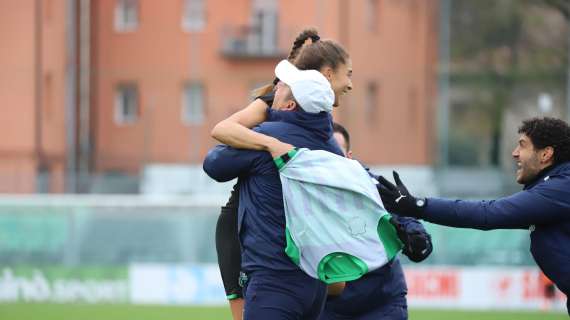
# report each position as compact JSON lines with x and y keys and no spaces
{"x":305,"y":35}
{"x":310,"y":35}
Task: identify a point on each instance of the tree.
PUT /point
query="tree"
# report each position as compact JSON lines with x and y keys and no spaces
{"x":497,"y":45}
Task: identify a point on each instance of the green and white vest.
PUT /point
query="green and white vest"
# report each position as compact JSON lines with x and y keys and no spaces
{"x":336,"y":226}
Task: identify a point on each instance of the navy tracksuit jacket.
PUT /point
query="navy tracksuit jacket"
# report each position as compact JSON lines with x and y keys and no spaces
{"x":277,"y":288}
{"x":379,"y":293}
{"x":543,"y":207}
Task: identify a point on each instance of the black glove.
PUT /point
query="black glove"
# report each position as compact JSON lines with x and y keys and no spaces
{"x":417,"y":245}
{"x":397,"y":199}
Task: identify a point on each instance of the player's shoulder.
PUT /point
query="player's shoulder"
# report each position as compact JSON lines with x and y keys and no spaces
{"x":275,"y":127}
{"x":555,"y":187}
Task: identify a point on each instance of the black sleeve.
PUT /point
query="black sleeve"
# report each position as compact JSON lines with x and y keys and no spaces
{"x":268,"y":98}
{"x":417,"y":241}
{"x":227,"y":246}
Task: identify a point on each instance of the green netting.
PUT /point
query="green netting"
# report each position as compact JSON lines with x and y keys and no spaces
{"x":86,"y":235}
{"x":474,"y":247}
{"x":32,"y":231}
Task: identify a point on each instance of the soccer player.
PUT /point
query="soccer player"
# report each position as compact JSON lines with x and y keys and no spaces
{"x":543,"y":206}
{"x":323,"y":55}
{"x":276,"y":288}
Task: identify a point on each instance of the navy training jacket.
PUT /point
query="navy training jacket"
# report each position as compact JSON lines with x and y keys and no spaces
{"x":261,"y":217}
{"x":543,"y":206}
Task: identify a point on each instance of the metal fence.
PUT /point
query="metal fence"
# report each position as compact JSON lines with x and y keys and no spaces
{"x":119,"y":230}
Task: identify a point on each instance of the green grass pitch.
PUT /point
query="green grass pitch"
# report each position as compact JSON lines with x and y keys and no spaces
{"x":128,"y":312}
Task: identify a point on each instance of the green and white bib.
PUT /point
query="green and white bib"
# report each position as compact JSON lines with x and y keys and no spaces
{"x":336,"y":226}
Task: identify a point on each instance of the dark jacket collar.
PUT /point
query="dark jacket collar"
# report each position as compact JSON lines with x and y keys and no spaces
{"x":318,"y":123}
{"x":555,"y":169}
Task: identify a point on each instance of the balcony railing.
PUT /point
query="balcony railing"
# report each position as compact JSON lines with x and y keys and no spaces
{"x":251,"y":42}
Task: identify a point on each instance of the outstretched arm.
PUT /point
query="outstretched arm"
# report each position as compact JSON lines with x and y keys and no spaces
{"x":518,"y":211}
{"x":236,"y":131}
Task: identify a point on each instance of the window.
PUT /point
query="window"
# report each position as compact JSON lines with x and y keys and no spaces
{"x":126,"y":15}
{"x":126,"y":104}
{"x":263,"y":37}
{"x":371,"y":103}
{"x":194,"y":15}
{"x":43,"y":179}
{"x":193,"y":104}
{"x":372,"y":13}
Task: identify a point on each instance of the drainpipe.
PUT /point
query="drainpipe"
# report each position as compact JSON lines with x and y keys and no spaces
{"x":84,"y":94}
{"x":38,"y":94}
{"x":71,"y":94}
{"x":443,"y":84}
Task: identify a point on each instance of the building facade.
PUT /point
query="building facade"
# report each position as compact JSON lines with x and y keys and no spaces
{"x":105,"y":88}
{"x":32,"y":96}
